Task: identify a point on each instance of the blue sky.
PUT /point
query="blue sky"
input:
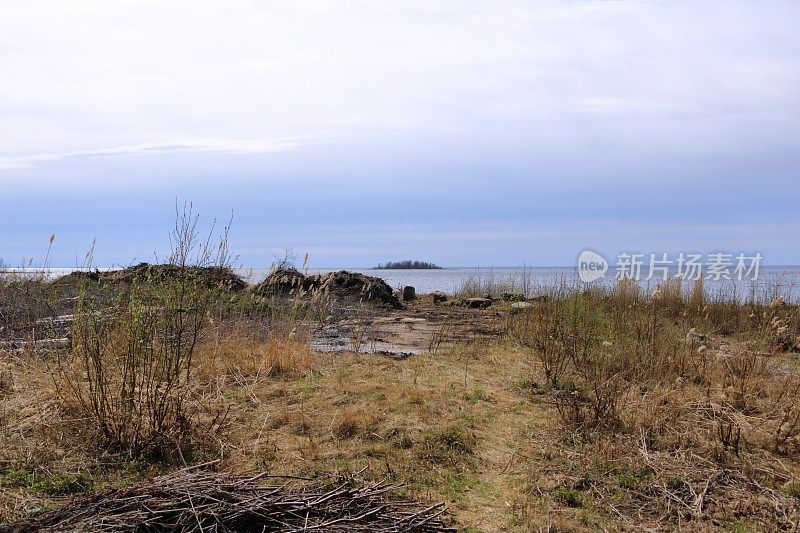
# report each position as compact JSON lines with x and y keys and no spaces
{"x":465,"y":133}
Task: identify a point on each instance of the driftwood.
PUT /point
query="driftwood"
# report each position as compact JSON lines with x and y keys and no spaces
{"x":204,"y":502}
{"x":41,"y":344}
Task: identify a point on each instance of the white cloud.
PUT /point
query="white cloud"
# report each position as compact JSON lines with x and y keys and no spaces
{"x":122,"y":73}
{"x":250,"y":146}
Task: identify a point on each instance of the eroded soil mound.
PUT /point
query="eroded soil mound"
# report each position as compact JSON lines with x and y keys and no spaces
{"x":284,"y":282}
{"x":211,"y":277}
{"x":342,"y":284}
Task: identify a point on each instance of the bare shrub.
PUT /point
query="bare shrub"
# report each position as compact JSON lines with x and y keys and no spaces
{"x":561,"y":333}
{"x":130,"y":369}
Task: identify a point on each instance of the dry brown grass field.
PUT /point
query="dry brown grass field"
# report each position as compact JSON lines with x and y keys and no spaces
{"x":587,"y":410}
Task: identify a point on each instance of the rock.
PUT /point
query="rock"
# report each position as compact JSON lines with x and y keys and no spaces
{"x":438,"y":296}
{"x":478,"y":303}
{"x":409,"y":294}
{"x":518,"y":307}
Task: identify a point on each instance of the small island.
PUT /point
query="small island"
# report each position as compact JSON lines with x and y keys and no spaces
{"x":408,"y":264}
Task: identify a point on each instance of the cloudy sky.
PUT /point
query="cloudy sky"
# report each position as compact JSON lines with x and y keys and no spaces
{"x":468,"y":133}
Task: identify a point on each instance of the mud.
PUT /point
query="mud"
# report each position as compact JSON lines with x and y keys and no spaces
{"x":419,"y":327}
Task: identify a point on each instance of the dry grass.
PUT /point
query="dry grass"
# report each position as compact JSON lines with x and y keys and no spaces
{"x":598,"y":411}
{"x":413,"y":421}
{"x":238,"y":358}
{"x":686,"y":426}
{"x":495,"y":283}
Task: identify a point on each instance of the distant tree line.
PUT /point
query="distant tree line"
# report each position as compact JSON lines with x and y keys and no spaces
{"x":407,"y":264}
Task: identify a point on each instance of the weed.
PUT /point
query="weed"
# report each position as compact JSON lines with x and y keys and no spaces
{"x":348,"y":427}
{"x":450,"y":446}
{"x":478,"y":395}
{"x":59,"y":484}
{"x":568,"y":496}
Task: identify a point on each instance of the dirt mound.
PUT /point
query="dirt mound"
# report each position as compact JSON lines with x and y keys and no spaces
{"x":342,"y":284}
{"x":211,"y":277}
{"x":284,"y":282}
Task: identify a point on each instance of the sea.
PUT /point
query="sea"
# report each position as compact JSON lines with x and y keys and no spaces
{"x":772,"y":281}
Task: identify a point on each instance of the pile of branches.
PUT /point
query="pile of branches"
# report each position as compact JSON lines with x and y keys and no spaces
{"x":203,"y":502}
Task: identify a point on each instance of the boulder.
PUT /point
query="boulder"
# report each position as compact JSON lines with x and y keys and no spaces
{"x":409,"y":294}
{"x":518,"y":307}
{"x":438,"y":296}
{"x":478,"y":303}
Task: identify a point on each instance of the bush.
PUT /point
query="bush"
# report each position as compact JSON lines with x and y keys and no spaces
{"x":130,"y":368}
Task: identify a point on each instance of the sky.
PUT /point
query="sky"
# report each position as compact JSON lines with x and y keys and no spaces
{"x":461,"y":132}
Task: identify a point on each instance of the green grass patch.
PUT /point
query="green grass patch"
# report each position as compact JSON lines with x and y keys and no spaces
{"x":60,"y":484}
{"x":568,"y":496}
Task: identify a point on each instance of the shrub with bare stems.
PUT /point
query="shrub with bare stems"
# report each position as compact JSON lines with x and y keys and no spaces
{"x":131,"y":367}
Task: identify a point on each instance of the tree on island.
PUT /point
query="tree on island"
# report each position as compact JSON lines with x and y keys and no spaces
{"x":407,"y":264}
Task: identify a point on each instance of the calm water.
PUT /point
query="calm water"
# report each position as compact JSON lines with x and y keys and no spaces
{"x":772,"y":282}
